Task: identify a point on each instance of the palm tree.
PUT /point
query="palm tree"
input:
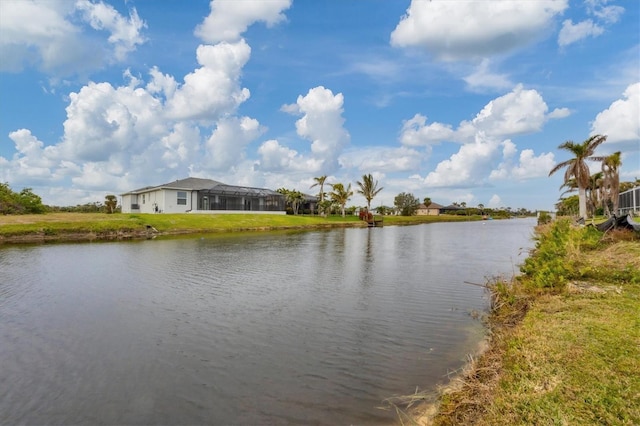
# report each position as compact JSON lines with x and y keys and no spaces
{"x":577,"y":166}
{"x":320,"y":182}
{"x":594,"y":192}
{"x":611,"y":177}
{"x":368,"y":188}
{"x":571,"y":186}
{"x":293,"y":198}
{"x":340,"y":195}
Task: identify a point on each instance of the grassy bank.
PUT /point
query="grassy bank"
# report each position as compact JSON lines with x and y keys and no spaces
{"x":565,"y":339}
{"x":89,"y":226}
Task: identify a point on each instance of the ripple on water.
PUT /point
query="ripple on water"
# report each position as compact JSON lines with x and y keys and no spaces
{"x":280,"y":328}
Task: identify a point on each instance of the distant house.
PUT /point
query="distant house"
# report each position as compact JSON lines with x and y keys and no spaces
{"x":432,"y":210}
{"x":310,"y":203}
{"x":197,"y":195}
{"x":450,"y":209}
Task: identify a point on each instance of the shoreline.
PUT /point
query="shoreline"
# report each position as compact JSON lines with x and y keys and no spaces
{"x":89,"y":227}
{"x":43,"y":237}
{"x":529,"y":371}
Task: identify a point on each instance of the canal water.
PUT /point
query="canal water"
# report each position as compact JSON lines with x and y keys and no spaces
{"x":314,"y":327}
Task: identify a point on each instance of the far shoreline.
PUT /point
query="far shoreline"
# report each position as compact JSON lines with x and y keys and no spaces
{"x":89,"y":227}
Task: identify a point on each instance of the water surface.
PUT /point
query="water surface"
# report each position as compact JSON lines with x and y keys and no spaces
{"x":315,"y":327}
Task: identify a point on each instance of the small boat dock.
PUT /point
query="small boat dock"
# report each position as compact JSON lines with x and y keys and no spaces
{"x":375,"y":222}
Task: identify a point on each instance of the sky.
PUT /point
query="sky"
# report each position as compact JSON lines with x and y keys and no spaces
{"x":455,"y":100}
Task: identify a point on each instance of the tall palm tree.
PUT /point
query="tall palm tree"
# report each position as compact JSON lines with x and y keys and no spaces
{"x":340,"y":195}
{"x":611,"y":177}
{"x":292,"y":197}
{"x":594,"y":192}
{"x":577,"y":166}
{"x":320,"y":182}
{"x":571,"y":186}
{"x":368,"y":188}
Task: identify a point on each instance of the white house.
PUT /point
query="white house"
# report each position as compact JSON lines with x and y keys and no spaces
{"x":195,"y":195}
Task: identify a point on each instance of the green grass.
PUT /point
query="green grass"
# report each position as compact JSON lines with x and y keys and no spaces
{"x":73,"y":223}
{"x":572,"y":354}
{"x":414,"y":220}
{"x":574,"y":360}
{"x":61,"y":225}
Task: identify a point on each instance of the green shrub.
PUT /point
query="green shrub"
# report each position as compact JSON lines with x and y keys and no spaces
{"x":544,"y":218}
{"x":546,"y":267}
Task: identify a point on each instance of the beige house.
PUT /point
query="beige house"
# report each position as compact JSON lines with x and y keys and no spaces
{"x":432,"y":210}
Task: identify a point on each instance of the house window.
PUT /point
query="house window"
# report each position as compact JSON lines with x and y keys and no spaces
{"x":142,"y":198}
{"x":182,"y":198}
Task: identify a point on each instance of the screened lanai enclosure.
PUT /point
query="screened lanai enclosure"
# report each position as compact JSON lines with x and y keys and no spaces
{"x":230,"y":197}
{"x":629,"y":202}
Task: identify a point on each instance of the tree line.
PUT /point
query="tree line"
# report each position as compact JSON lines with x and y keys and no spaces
{"x":23,"y":202}
{"x":27,"y":202}
{"x":405,"y":204}
{"x":335,"y":200}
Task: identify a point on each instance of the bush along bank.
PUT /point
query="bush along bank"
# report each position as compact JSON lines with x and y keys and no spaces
{"x":564,"y":338}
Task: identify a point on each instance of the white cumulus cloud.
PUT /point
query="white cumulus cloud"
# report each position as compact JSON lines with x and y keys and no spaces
{"x":453,"y":30}
{"x":465,"y":167}
{"x":322,"y":124}
{"x":125,"y":34}
{"x":621,"y":121}
{"x":214,"y":89}
{"x":229,"y":19}
{"x":603,"y":16}
{"x":415,"y":132}
{"x":227,"y":143}
{"x":483,"y":78}
{"x":532,"y":166}
{"x":478,"y":160}
{"x":495,"y":202}
{"x":382,"y":159}
{"x":571,"y":33}
{"x":46,"y":35}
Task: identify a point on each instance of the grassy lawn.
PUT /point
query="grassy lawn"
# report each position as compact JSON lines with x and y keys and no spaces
{"x":61,"y":224}
{"x":565,"y":341}
{"x":574,"y":360}
{"x":414,"y":220}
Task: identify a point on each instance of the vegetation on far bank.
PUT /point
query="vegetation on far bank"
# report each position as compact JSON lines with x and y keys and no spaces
{"x":59,"y":226}
{"x":564,"y":338}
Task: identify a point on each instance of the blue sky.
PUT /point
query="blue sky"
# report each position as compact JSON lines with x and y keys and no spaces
{"x":456,"y":100}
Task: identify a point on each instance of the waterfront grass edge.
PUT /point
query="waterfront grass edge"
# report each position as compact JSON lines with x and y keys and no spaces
{"x":54,"y":227}
{"x":564,"y":340}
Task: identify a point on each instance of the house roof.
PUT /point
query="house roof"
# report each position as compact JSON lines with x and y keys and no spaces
{"x":452,"y":207}
{"x":208,"y":186}
{"x":431,"y":206}
{"x":224,"y":189}
{"x":188,"y":184}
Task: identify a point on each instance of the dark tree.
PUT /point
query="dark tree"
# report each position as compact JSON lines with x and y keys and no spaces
{"x":407,"y":204}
